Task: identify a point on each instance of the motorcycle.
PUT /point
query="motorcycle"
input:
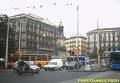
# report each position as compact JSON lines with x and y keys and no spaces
{"x":24,"y":69}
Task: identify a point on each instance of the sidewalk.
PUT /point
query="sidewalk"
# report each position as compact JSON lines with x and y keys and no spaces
{"x":92,"y":69}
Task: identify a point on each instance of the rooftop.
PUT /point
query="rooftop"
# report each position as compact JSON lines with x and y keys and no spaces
{"x":105,"y":29}
{"x":35,"y":17}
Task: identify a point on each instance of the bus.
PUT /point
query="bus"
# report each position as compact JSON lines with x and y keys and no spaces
{"x":115,"y":60}
{"x":38,"y":59}
{"x":76,"y":61}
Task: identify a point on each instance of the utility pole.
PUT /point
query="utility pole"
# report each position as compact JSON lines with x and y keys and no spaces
{"x":6,"y":56}
{"x":19,"y":40}
{"x":77,"y":20}
{"x":77,"y":40}
{"x":98,"y":46}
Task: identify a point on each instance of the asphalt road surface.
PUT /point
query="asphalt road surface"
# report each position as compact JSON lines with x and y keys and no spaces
{"x":50,"y":76}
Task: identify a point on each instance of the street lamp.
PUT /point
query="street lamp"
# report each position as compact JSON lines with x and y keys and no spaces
{"x":77,"y":37}
{"x":77,"y":20}
{"x":19,"y":48}
{"x":77,"y":41}
{"x":6,"y":56}
{"x":98,"y":46}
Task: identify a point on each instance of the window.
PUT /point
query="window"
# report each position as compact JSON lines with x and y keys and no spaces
{"x":23,"y":36}
{"x":116,"y":38}
{"x":29,"y":36}
{"x":23,"y":44}
{"x":26,"y":58}
{"x":52,"y":63}
{"x":32,"y":58}
{"x":116,"y":44}
{"x":33,"y":37}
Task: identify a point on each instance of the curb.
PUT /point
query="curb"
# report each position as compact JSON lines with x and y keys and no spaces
{"x":89,"y":70}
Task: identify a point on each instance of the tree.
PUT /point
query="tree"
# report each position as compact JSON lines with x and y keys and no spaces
{"x":101,"y":51}
{"x":94,"y":53}
{"x":3,"y":35}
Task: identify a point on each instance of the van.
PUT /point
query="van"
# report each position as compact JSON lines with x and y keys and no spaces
{"x":54,"y":64}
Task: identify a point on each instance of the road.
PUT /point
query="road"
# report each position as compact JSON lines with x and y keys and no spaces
{"x":53,"y":76}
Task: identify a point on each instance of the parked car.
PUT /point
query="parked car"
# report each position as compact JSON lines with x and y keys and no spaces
{"x":54,"y":64}
{"x":33,"y":68}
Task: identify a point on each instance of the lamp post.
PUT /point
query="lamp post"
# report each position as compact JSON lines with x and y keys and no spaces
{"x":20,"y":39}
{"x":98,"y":46}
{"x":77,"y":40}
{"x":6,"y":56}
{"x":77,"y":24}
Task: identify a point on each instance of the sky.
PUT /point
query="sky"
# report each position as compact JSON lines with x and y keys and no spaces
{"x":106,"y":12}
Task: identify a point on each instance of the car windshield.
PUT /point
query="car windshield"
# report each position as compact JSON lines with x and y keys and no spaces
{"x":29,"y":63}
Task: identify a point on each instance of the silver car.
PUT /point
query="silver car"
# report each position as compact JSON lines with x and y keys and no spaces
{"x":33,"y":67}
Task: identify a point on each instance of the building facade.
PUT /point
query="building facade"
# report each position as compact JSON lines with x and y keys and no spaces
{"x":35,"y":35}
{"x":60,"y":48}
{"x":108,"y":39}
{"x":76,"y":43}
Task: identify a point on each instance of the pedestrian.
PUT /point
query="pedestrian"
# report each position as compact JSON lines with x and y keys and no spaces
{"x":0,"y":64}
{"x":64,"y":65}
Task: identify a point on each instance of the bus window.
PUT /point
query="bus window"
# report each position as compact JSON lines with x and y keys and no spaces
{"x":32,"y":58}
{"x":26,"y":58}
{"x":44,"y":58}
{"x":39,"y":58}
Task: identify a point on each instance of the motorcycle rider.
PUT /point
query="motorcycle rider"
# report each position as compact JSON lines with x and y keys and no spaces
{"x":21,"y":64}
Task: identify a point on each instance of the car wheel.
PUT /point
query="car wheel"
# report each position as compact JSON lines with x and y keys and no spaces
{"x":60,"y":68}
{"x":53,"y":69}
{"x":37,"y":71}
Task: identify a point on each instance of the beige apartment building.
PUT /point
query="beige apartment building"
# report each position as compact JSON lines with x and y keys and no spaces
{"x":76,"y":43}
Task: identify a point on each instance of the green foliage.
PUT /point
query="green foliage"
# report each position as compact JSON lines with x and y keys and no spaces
{"x":3,"y":35}
{"x":94,"y":53}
